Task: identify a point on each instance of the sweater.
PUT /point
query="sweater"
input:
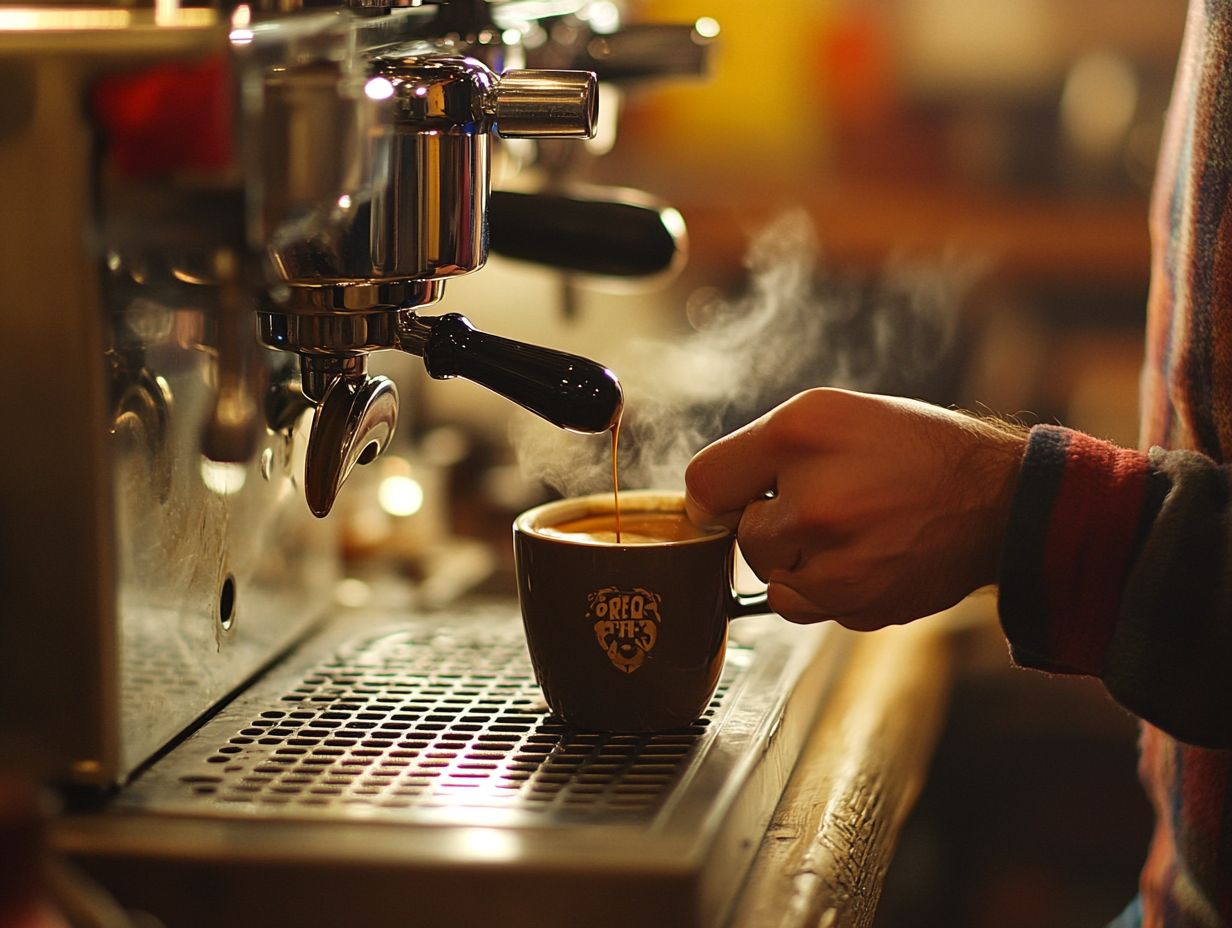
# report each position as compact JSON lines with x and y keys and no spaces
{"x":1118,"y":562}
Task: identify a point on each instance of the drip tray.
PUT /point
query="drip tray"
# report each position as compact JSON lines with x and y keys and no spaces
{"x":409,"y":773}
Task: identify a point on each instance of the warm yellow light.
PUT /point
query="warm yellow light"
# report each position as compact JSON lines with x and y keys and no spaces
{"x":603,"y":18}
{"x":165,"y":12}
{"x":490,"y":844}
{"x":674,"y":222}
{"x":1098,"y":103}
{"x":241,"y":20}
{"x":223,"y":479}
{"x":353,"y":593}
{"x":19,"y":18}
{"x":707,"y":27}
{"x":400,"y":495}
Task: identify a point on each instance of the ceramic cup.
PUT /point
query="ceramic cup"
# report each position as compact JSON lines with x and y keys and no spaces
{"x":628,"y":635}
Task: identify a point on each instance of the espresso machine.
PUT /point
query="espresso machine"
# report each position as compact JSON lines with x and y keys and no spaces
{"x":214,"y":216}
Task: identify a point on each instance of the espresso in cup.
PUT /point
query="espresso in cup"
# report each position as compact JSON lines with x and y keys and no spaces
{"x":633,"y":528}
{"x":628,"y":635}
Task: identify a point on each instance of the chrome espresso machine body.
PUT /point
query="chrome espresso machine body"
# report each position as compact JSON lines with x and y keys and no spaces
{"x":211,"y":218}
{"x":175,"y":182}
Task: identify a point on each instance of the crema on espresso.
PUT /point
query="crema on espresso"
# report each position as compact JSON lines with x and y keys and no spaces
{"x":636,"y":528}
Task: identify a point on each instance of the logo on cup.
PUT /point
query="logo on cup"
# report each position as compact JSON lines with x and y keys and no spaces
{"x":626,"y":624}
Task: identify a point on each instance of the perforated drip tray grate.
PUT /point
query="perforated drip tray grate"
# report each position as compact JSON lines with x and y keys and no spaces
{"x":414,"y":721}
{"x":386,"y":770}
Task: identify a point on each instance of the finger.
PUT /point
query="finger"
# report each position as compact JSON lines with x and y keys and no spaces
{"x":819,"y":588}
{"x":766,"y":539}
{"x":723,"y":477}
{"x":705,"y":519}
{"x":794,"y":606}
{"x":787,"y":533}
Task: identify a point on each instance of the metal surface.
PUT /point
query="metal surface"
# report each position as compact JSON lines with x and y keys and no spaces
{"x":151,"y":552}
{"x":171,"y":175}
{"x":545,"y":104}
{"x":142,"y":583}
{"x":418,"y":128}
{"x":384,"y":768}
{"x":352,"y":425}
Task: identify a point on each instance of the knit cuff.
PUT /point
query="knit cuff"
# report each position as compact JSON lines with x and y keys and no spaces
{"x":1075,"y":524}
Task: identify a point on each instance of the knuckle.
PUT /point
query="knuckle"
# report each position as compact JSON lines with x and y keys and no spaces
{"x":788,"y":430}
{"x":801,"y":421}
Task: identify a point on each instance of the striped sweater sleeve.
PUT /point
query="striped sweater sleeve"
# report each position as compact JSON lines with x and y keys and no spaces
{"x":1118,"y":564}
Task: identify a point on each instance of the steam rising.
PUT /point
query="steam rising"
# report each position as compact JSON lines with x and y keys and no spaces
{"x":795,"y":328}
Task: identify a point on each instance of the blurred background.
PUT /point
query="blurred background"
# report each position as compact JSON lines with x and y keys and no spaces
{"x":940,"y":198}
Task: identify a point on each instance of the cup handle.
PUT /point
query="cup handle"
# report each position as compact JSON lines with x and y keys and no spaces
{"x":742,"y":604}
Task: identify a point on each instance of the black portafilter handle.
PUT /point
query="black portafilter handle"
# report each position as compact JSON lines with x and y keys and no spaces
{"x":609,"y":233}
{"x":569,"y":391}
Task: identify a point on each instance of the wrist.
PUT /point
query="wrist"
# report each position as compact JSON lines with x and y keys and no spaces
{"x":993,"y":477}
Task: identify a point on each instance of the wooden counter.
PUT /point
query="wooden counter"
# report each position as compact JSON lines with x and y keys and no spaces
{"x":829,"y":845}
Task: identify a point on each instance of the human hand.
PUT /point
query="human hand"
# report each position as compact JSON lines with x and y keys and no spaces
{"x":869,"y":510}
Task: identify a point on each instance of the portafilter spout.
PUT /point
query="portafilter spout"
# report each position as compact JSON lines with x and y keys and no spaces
{"x":352,"y":425}
{"x":356,"y":417}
